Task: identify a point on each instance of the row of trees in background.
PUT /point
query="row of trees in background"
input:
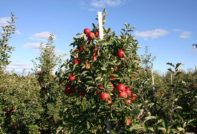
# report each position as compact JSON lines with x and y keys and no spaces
{"x":105,"y":87}
{"x":5,"y":48}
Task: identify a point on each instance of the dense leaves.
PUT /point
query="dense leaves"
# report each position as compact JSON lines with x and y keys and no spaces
{"x":5,"y":48}
{"x":104,"y":87}
{"x":88,"y":75}
{"x":20,"y":106}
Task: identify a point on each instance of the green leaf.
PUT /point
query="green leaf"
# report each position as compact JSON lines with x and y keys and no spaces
{"x":180,"y":129}
{"x":168,"y":63}
{"x":169,"y":69}
{"x":163,"y":129}
{"x":88,"y":125}
{"x":177,"y":65}
{"x":84,"y":73}
{"x":150,"y":129}
{"x":150,"y":118}
{"x":137,"y":127}
{"x":179,"y":107}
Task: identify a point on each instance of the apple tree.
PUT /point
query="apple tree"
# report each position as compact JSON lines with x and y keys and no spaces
{"x":100,"y":82}
{"x":50,"y":96}
{"x":5,"y":48}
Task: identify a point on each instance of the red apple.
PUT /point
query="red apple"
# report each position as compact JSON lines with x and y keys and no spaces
{"x":123,"y":94}
{"x":128,"y":121}
{"x":96,"y":34}
{"x":128,"y":101}
{"x":67,"y":89}
{"x":76,"y":61}
{"x":120,"y":53}
{"x":86,"y":31}
{"x":71,"y":77}
{"x":81,"y":48}
{"x":121,"y":87}
{"x":91,"y":36}
{"x":133,"y":97}
{"x":112,"y":77}
{"x":100,"y":86}
{"x":104,"y":96}
{"x":128,"y":91}
{"x":94,"y":58}
{"x":82,"y":94}
{"x":97,"y":91}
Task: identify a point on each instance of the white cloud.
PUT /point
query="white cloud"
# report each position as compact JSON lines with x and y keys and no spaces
{"x":41,"y":35}
{"x":98,"y":3}
{"x":105,"y":3}
{"x":34,"y":45}
{"x":114,"y":2}
{"x":185,"y":35}
{"x":152,"y":34}
{"x":18,"y":66}
{"x":4,"y":21}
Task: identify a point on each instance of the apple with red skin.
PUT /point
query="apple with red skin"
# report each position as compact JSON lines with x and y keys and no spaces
{"x":128,"y":91}
{"x":86,"y":31}
{"x":97,"y":91}
{"x":100,"y":86}
{"x":121,"y":87}
{"x":96,"y":33}
{"x":128,"y":122}
{"x":67,"y":89}
{"x":128,"y":101}
{"x":81,"y":48}
{"x":91,"y":36}
{"x":112,"y":77}
{"x":71,"y":77}
{"x":133,"y":97}
{"x":82,"y":94}
{"x":94,"y":56}
{"x":76,"y":61}
{"x":123,"y":94}
{"x":120,"y":53}
{"x":104,"y":96}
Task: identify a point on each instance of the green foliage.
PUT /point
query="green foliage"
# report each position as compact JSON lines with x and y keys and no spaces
{"x":169,"y":105}
{"x":147,"y":59}
{"x":19,"y":103}
{"x":50,"y":91}
{"x":71,"y":100}
{"x":5,"y":49}
{"x":93,"y":62}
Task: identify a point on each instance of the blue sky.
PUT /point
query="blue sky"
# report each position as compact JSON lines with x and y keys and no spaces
{"x":167,"y":27}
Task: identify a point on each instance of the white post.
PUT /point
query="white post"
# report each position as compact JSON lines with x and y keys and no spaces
{"x":171,"y":77}
{"x":100,"y":22}
{"x":153,"y":79}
